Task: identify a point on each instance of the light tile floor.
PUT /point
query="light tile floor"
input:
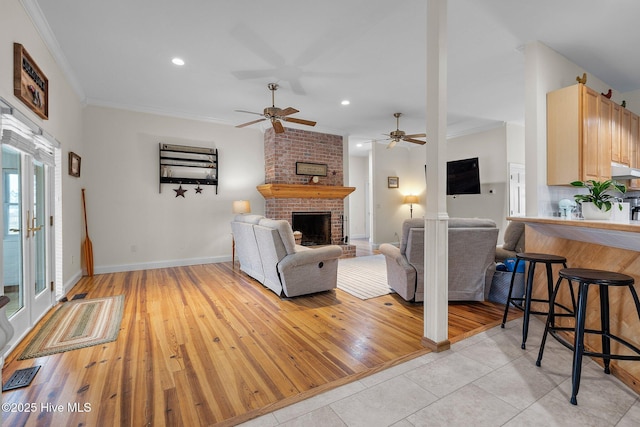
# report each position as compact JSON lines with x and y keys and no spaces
{"x":485,"y":380}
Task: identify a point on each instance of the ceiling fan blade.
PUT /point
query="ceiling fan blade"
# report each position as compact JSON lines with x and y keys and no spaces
{"x":416,"y":135}
{"x":299,"y":121}
{"x":415,"y":141}
{"x":250,"y":123}
{"x":253,"y":74}
{"x":392,"y":143}
{"x":250,"y":112}
{"x":296,"y":86}
{"x":277,"y":126}
{"x":255,"y":43}
{"x":289,"y":110}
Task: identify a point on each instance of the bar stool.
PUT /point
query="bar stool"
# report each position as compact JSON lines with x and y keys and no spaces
{"x":533,"y":259}
{"x":588,"y":277}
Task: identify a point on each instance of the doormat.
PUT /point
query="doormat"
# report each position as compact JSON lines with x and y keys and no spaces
{"x":21,"y":378}
{"x":78,"y":324}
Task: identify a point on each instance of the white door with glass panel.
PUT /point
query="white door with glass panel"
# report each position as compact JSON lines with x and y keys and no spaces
{"x":27,"y":255}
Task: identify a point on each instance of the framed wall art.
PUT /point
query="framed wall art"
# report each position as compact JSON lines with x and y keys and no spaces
{"x":30,"y":85}
{"x":393,"y":182}
{"x":315,"y":169}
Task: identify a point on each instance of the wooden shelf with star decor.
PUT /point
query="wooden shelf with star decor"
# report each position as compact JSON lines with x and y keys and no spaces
{"x":181,"y":164}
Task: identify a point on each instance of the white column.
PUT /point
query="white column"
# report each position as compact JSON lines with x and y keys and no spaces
{"x":436,"y":219}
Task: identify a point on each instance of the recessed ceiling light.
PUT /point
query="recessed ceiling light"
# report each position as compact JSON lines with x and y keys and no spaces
{"x":177,"y":61}
{"x":345,"y":102}
{"x":358,"y":145}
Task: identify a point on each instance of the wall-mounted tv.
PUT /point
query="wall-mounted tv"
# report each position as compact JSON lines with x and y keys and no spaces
{"x":463,"y":177}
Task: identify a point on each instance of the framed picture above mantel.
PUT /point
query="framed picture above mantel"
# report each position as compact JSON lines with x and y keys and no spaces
{"x":314,"y":169}
{"x":30,"y":85}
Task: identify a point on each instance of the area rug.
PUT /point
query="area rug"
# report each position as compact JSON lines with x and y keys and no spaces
{"x":363,"y":277}
{"x":78,"y":324}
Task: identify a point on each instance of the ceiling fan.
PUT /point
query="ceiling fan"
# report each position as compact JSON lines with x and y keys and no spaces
{"x":399,"y":135}
{"x":276,"y":114}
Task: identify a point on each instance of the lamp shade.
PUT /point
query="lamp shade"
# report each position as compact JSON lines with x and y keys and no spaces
{"x":411,"y":199}
{"x":241,"y":207}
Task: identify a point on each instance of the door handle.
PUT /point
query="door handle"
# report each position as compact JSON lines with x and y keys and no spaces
{"x":33,"y":228}
{"x":28,"y":221}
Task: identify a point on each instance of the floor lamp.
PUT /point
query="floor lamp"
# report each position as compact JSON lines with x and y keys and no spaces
{"x":238,"y":207}
{"x":411,"y":200}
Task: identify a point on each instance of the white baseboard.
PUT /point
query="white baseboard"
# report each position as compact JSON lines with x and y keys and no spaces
{"x":159,"y":264}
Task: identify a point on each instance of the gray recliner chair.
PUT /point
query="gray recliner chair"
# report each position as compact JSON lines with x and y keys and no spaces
{"x":267,"y":252}
{"x":472,"y":245}
{"x":513,"y":241}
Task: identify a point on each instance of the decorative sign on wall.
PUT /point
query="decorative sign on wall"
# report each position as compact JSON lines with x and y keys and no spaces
{"x":30,"y":84}
{"x":316,"y":169}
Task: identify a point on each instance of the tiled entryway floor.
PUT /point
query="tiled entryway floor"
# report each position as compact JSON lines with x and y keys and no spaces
{"x":485,"y":380}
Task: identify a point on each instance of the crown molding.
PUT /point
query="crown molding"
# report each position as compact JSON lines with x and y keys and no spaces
{"x":42,"y":26}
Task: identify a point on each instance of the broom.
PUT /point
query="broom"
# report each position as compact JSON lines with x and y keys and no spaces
{"x":87,"y":246}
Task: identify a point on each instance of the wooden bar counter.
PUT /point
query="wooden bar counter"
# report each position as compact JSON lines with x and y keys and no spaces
{"x":606,"y":245}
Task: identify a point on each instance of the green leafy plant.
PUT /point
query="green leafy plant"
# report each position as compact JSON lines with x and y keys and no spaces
{"x":599,"y":193}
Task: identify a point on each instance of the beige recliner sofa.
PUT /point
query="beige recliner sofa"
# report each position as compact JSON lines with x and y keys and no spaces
{"x":472,"y":248}
{"x":267,"y":252}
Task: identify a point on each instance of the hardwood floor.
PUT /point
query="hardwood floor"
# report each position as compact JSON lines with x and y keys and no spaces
{"x":206,"y":344}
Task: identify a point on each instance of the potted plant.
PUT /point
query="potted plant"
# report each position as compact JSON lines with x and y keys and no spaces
{"x":599,"y":200}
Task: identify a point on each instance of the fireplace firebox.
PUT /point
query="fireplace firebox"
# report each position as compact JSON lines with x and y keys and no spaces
{"x":314,"y":226}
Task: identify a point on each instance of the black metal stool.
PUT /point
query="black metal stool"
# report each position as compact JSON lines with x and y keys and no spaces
{"x":588,"y":277}
{"x":533,"y":259}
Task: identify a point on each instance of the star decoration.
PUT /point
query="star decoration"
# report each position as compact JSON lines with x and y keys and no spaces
{"x":180,"y":191}
{"x":198,"y":189}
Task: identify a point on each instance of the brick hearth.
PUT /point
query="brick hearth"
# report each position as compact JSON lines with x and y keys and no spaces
{"x":282,"y":151}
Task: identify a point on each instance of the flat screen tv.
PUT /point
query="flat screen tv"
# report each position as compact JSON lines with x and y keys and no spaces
{"x":463,"y":177}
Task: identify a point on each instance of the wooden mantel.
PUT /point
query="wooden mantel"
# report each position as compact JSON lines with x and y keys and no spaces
{"x":303,"y":191}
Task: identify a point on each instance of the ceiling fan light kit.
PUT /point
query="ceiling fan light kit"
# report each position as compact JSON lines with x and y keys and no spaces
{"x":275,"y":114}
{"x":399,"y":135}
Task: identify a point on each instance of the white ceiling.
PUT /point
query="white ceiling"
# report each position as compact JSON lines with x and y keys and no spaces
{"x":372,"y":52}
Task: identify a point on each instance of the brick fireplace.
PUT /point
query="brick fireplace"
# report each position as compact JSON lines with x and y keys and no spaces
{"x":286,"y":192}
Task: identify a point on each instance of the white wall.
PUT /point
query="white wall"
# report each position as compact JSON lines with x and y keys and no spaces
{"x":633,"y":100}
{"x":407,"y":163}
{"x":358,"y":178}
{"x":545,"y":71}
{"x":132,"y":225}
{"x":65,"y":121}
{"x":491,"y":149}
{"x":515,"y":143}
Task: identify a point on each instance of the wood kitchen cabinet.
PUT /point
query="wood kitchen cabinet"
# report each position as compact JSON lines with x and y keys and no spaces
{"x":579,"y":135}
{"x":634,"y":148}
{"x":620,"y":146}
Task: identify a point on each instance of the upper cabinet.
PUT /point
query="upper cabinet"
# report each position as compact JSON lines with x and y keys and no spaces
{"x":585,"y":133}
{"x":621,"y":122}
{"x":634,"y":148}
{"x":577,"y":149}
